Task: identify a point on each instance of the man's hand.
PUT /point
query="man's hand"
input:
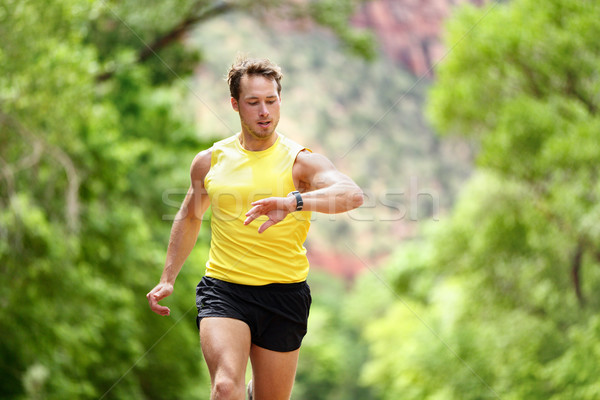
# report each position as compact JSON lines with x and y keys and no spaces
{"x":159,"y":292}
{"x":276,"y":208}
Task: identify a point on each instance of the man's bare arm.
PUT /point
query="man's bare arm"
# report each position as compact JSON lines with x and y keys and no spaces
{"x":184,"y":232}
{"x":324,"y":189}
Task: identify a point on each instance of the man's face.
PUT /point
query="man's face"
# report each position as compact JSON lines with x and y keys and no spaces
{"x":258,"y":106}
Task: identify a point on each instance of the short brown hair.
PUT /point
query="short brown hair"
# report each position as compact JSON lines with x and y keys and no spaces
{"x":248,"y":66}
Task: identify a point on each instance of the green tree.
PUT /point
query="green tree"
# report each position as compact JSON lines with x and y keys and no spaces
{"x":498,"y":300}
{"x":333,"y":351}
{"x":79,"y":224}
{"x":95,"y":134}
{"x":540,"y":128}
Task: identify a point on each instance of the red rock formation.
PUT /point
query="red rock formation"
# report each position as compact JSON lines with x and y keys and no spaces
{"x":409,"y":30}
{"x":342,"y":265}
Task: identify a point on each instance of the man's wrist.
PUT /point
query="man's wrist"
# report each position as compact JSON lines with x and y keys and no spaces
{"x":296,"y":201}
{"x":290,"y":203}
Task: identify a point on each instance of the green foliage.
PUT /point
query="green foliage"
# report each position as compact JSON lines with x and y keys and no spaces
{"x":79,"y":223}
{"x":336,"y":14}
{"x":333,"y":352}
{"x":96,"y":143}
{"x":498,"y":300}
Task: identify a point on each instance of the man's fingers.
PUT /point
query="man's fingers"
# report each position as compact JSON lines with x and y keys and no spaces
{"x":161,"y":310}
{"x":251,"y":211}
{"x":157,"y":308}
{"x":266,"y":225}
{"x":252,"y":214}
{"x":266,"y":207}
{"x":161,"y":294}
{"x":155,"y":295}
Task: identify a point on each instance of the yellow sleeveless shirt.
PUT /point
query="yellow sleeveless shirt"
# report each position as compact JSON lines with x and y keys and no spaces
{"x":238,"y":253}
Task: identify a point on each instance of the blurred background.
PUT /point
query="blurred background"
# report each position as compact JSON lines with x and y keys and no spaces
{"x":471,"y":271}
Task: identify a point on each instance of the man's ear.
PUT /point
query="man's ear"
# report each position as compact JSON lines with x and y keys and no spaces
{"x":234,"y":104}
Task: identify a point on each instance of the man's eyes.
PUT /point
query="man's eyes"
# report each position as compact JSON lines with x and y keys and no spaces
{"x":254,"y":103}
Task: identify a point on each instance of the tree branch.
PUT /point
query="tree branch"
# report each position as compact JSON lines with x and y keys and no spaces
{"x":73,"y":179}
{"x":532,"y":79}
{"x":8,"y":174}
{"x":575,"y":272}
{"x":217,"y":8}
{"x":166,"y":39}
{"x":572,"y":90}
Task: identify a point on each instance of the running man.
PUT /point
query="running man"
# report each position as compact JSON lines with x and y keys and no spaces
{"x":253,"y":301}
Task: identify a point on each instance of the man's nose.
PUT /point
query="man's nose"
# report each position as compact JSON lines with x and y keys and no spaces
{"x":263,"y":111}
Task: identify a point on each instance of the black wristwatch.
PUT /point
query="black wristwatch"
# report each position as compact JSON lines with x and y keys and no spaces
{"x":299,"y":201}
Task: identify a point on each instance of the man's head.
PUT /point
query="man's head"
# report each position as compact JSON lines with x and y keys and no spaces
{"x":255,"y":94}
{"x":251,"y":67}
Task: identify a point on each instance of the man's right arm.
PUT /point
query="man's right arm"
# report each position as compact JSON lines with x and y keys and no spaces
{"x":184,"y":232}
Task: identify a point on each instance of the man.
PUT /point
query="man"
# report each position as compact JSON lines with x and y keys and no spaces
{"x":253,"y":302}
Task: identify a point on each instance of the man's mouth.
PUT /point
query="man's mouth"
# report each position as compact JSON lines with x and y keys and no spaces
{"x":264,"y":124}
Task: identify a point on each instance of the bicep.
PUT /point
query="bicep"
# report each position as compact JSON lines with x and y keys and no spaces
{"x":317,"y":171}
{"x":197,"y":201}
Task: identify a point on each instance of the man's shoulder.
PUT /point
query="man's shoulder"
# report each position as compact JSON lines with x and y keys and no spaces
{"x":304,"y":156}
{"x":293,"y":148}
{"x":201,"y":164}
{"x":228,"y":141}
{"x":308,"y":162}
{"x":203,"y":159}
{"x":289,"y":143}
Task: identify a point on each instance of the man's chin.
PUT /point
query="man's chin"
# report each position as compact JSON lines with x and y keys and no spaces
{"x":263,"y":133}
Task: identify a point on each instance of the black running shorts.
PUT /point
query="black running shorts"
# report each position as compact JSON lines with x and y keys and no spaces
{"x":277,"y":314}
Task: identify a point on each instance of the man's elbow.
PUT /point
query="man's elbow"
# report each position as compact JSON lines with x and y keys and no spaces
{"x":189,"y":213}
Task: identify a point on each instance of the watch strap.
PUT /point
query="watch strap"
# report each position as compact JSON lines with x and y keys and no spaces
{"x":299,"y":201}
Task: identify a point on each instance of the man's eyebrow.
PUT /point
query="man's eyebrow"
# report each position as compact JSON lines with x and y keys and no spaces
{"x":256,"y":97}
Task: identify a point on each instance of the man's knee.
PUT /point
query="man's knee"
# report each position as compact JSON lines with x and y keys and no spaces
{"x":225,"y":388}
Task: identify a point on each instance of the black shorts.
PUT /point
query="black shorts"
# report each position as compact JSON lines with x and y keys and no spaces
{"x":277,"y":314}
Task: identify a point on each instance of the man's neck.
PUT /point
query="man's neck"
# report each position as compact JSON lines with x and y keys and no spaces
{"x":252,"y":143}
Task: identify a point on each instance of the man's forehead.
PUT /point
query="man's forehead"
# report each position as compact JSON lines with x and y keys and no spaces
{"x":257,"y":86}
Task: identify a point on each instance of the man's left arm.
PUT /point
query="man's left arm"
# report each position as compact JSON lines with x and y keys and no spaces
{"x":323,"y":189}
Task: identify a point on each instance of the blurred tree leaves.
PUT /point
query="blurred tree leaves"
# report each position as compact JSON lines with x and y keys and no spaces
{"x":162,"y":36}
{"x":497,"y":300}
{"x":94,"y":128}
{"x":79,"y":221}
{"x":540,"y":128}
{"x":508,"y":308}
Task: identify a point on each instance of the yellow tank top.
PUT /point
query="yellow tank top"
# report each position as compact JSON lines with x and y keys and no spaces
{"x":238,"y":253}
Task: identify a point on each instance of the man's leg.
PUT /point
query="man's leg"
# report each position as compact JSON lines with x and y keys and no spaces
{"x":273,"y":373}
{"x":226,"y":346}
